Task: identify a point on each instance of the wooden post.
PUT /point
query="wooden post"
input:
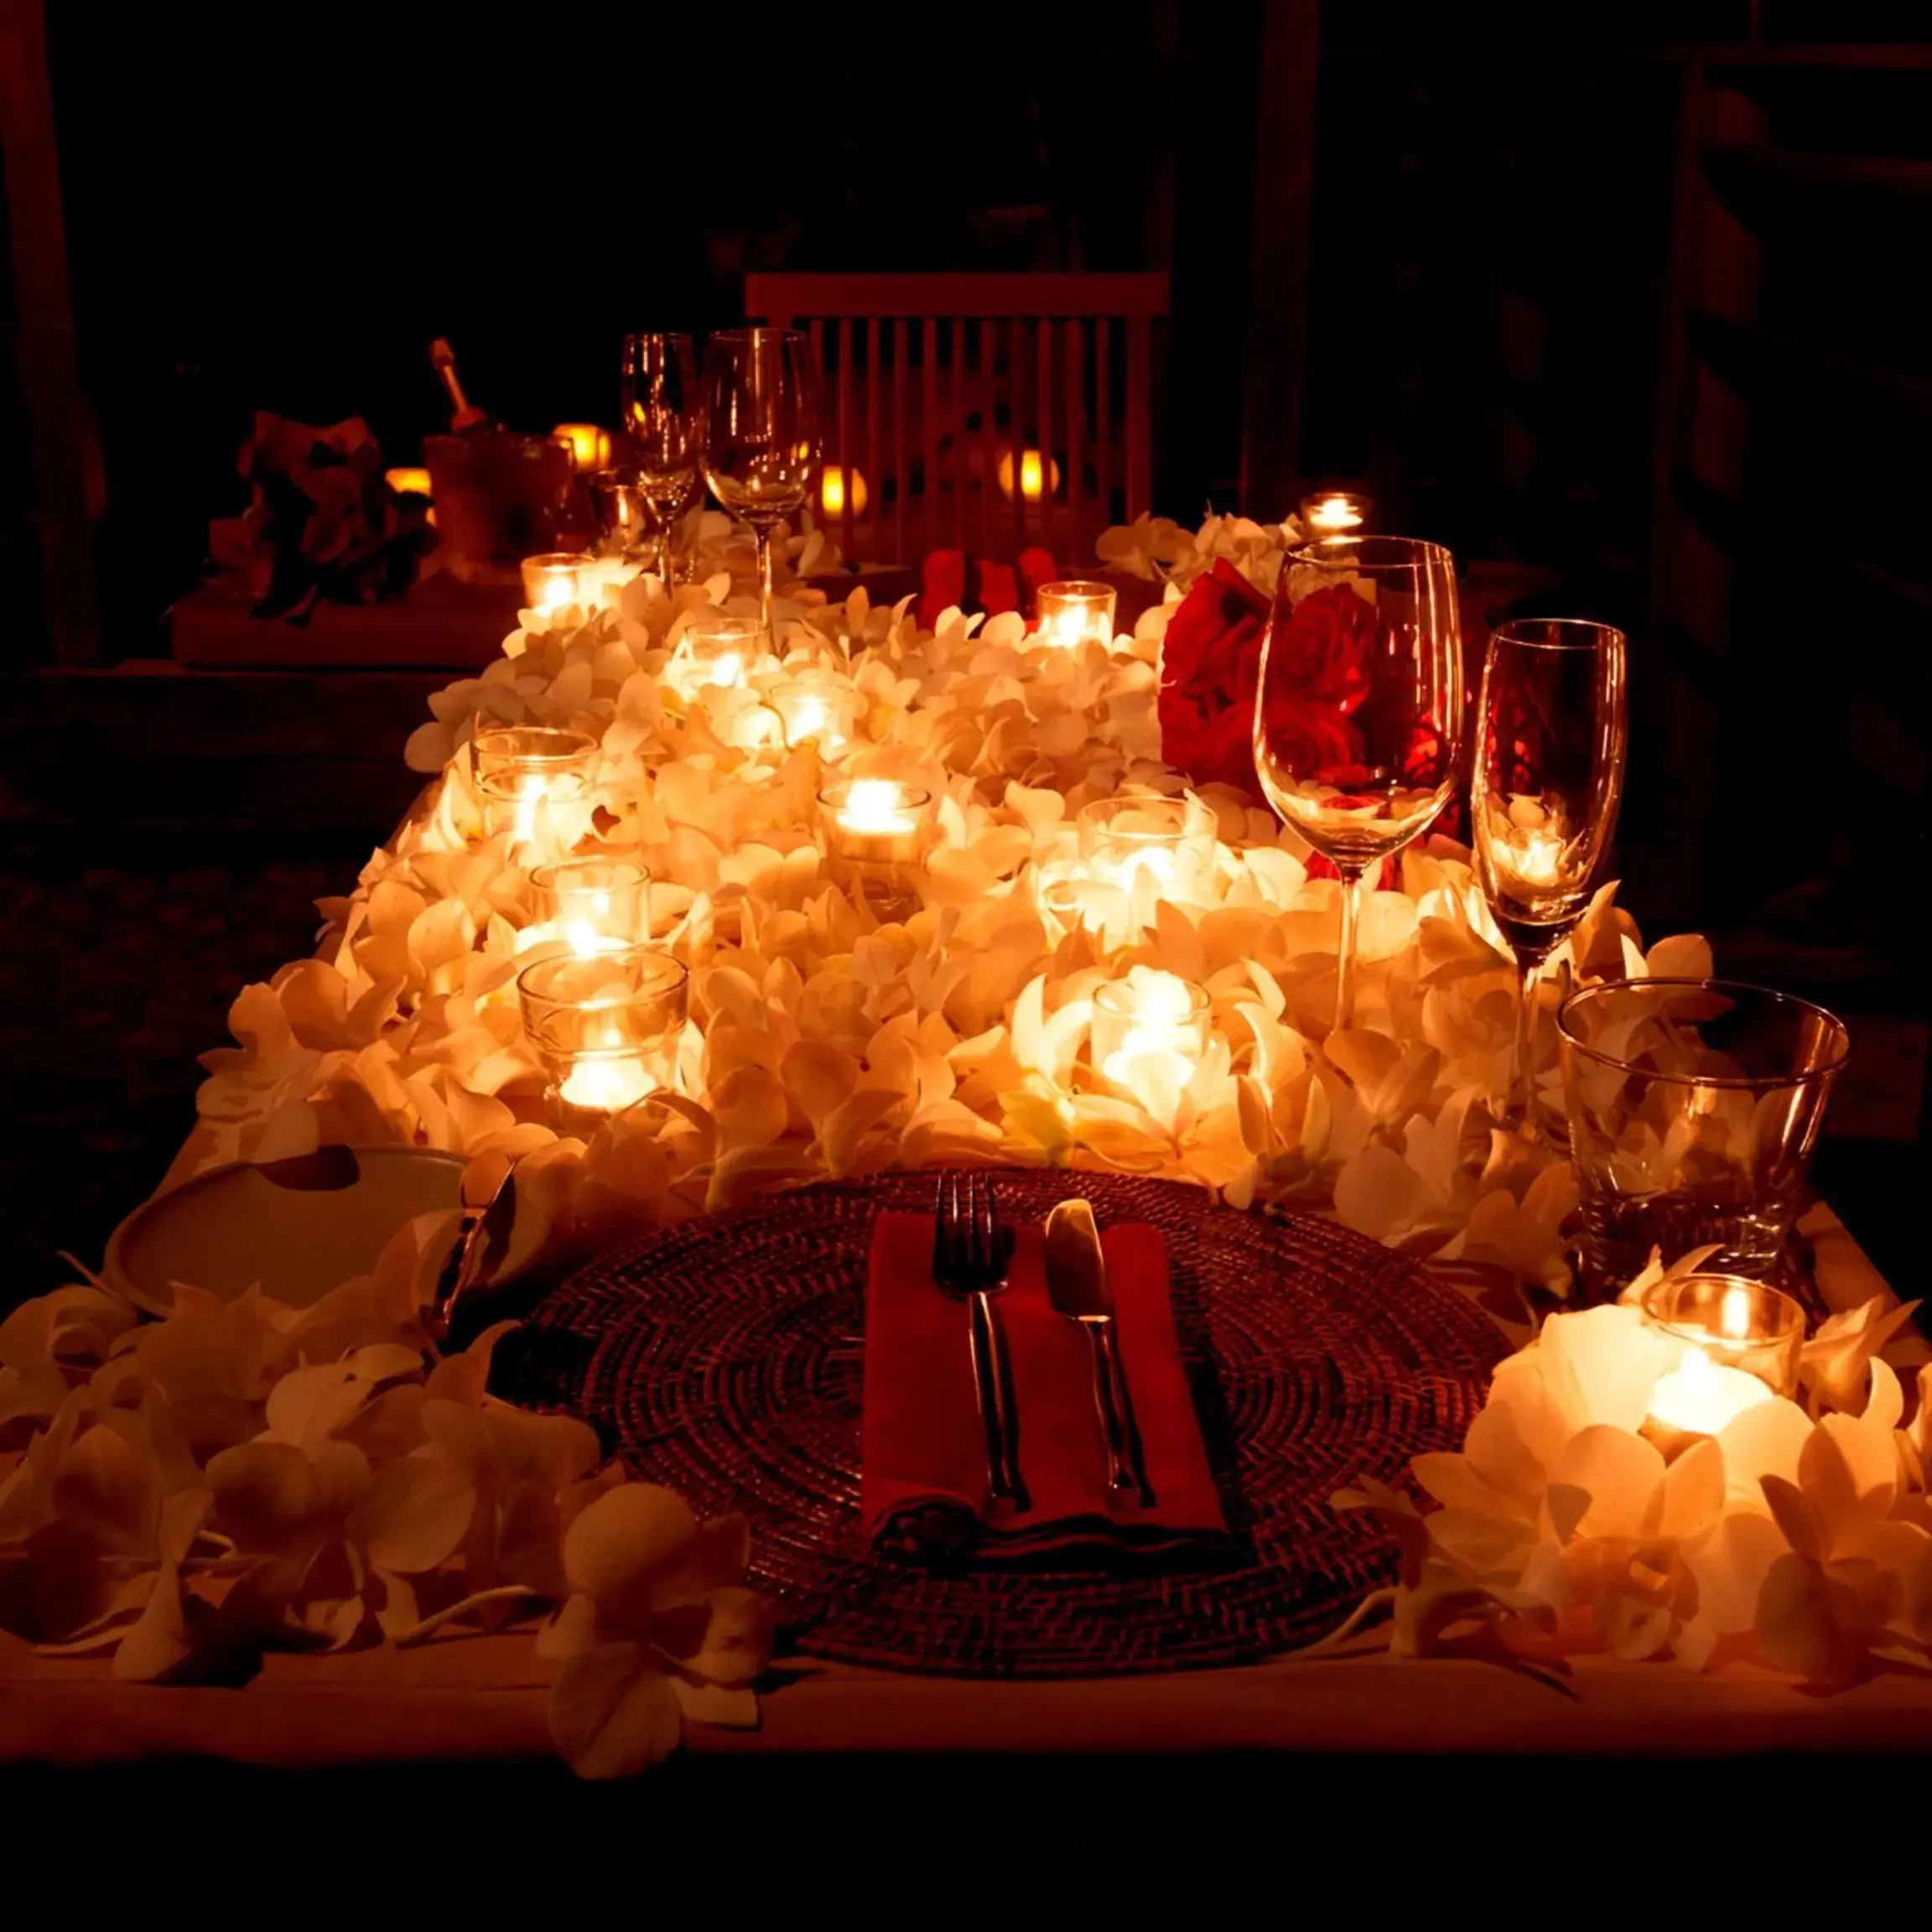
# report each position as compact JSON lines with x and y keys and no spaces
{"x":1278,"y":257}
{"x":49,"y":368}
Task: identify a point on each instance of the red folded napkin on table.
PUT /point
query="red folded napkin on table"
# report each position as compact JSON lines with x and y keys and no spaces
{"x":924,"y":1477}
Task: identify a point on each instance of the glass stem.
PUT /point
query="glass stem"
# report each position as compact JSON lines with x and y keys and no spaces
{"x":1345,"y":947}
{"x":1522,"y":1069}
{"x":768,"y":595}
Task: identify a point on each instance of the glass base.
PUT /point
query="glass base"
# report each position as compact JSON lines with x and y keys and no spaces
{"x":1618,"y":1236}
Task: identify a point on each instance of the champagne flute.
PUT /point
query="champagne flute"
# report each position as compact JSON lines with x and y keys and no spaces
{"x":663,"y":418}
{"x":761,"y":445}
{"x":1544,"y":795}
{"x":1358,"y":707}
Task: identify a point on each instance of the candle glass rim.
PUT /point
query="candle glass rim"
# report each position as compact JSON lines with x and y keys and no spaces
{"x":557,"y":560}
{"x":581,"y":749}
{"x":1095,"y":816}
{"x":913,"y":797}
{"x":1836,"y":1030}
{"x":726,"y":624}
{"x":546,"y":877}
{"x":1078,"y":590}
{"x":674,"y":976}
{"x":1355,"y":499}
{"x":1112,"y":998}
{"x":1791,"y":1321}
{"x":505,"y":787}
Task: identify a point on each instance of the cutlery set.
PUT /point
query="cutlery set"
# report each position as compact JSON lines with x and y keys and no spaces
{"x":971,"y":1257}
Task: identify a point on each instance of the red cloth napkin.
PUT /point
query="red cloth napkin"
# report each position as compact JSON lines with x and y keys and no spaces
{"x":924,"y":1481}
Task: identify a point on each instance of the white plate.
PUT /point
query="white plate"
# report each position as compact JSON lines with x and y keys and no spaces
{"x":298,"y":1227}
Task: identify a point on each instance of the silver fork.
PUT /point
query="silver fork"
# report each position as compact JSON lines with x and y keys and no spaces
{"x":970,"y":1255}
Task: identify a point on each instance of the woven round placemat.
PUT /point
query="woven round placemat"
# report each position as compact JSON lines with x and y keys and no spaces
{"x":725,"y":1358}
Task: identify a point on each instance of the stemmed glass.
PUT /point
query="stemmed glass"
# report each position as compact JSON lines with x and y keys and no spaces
{"x":760,"y":431}
{"x":1359,"y":709}
{"x":1544,"y":795}
{"x":664,"y":419}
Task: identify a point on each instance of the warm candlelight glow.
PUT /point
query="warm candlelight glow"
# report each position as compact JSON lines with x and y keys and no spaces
{"x":589,"y":446}
{"x":1536,"y":858}
{"x":816,"y":708}
{"x":877,"y":805}
{"x":1150,"y":848}
{"x":832,"y":491}
{"x":407,"y":482}
{"x":1735,"y":1322}
{"x":1038,"y":475}
{"x":607,"y":1085}
{"x":1699,"y":1396}
{"x":1149,"y":1033}
{"x":1072,"y":614}
{"x":1334,"y":512}
{"x":716,"y":649}
{"x":593,"y":905}
{"x":556,"y":580}
{"x":605,"y":1025}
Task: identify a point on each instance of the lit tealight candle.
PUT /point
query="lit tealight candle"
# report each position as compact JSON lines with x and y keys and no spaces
{"x":1334,"y":512}
{"x":1735,"y":1322}
{"x":555,"y":581}
{"x":407,"y":482}
{"x":1150,"y":848}
{"x":715,"y":649}
{"x":1699,"y":1396}
{"x":593,"y":905}
{"x":817,"y":708}
{"x":873,"y":831}
{"x":602,"y":1083}
{"x":589,"y":446}
{"x":545,"y":814}
{"x":1077,"y":613}
{"x":605,"y":1027}
{"x":1149,"y":1033}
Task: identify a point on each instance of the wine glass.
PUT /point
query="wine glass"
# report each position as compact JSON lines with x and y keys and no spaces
{"x":1358,"y":707}
{"x":760,"y":444}
{"x":663,"y":418}
{"x":1544,"y":795}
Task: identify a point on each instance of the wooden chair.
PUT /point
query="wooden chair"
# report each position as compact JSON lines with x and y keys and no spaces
{"x":980,"y":413}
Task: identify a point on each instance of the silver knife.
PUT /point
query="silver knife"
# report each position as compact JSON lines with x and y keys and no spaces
{"x":1077,"y":1285}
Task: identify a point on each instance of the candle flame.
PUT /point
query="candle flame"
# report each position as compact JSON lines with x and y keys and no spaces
{"x":1734,"y":1314}
{"x":1335,"y":513}
{"x":607,"y":1086}
{"x":876,"y":805}
{"x":523,"y":830}
{"x":1160,"y":998}
{"x":1700,"y":1397}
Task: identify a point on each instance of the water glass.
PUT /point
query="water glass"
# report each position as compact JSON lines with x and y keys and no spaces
{"x":1694,"y":1106}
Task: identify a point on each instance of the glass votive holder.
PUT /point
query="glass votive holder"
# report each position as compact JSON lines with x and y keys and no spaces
{"x":1335,"y":513}
{"x":716,"y":648}
{"x":874,"y":831}
{"x":1737,"y":1322}
{"x":1148,"y":1036}
{"x":547,"y":750}
{"x":545,"y":814}
{"x":623,"y":511}
{"x":594,"y":904}
{"x":1167,"y":844}
{"x":604,"y":1027}
{"x":554,"y":581}
{"x":1076,"y":612}
{"x":820,"y":709}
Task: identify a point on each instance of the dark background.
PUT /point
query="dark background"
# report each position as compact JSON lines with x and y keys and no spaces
{"x":1672,"y":356}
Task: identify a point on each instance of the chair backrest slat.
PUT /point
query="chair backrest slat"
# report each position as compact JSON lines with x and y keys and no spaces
{"x":1012,"y":350}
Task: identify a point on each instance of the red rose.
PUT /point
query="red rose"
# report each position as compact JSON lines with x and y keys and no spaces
{"x":1322,"y":653}
{"x":999,"y":587}
{"x":1210,"y":662}
{"x":943,"y":583}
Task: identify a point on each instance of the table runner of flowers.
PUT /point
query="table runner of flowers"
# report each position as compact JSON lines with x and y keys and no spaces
{"x":179,"y":1492}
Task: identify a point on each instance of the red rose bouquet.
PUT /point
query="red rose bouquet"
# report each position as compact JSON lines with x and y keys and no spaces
{"x":1210,"y":663}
